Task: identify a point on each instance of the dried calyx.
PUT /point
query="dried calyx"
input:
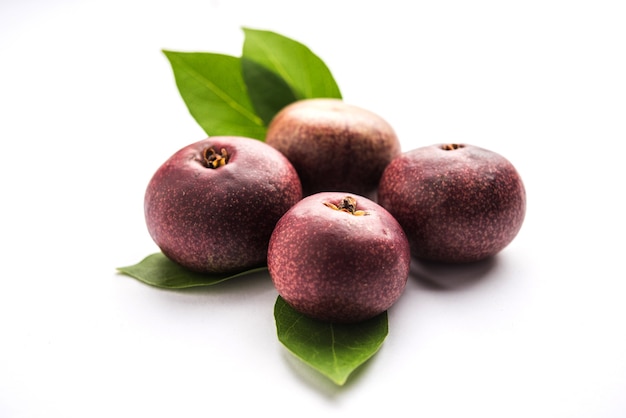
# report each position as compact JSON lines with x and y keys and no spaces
{"x":348,"y":205}
{"x":450,"y":147}
{"x":213,"y":160}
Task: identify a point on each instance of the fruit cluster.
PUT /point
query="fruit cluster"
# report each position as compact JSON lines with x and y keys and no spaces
{"x":303,"y":203}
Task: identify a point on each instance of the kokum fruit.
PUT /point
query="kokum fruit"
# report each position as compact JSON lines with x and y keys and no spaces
{"x":456,"y":202}
{"x":212,"y":206}
{"x":334,"y":146}
{"x":339,"y":258}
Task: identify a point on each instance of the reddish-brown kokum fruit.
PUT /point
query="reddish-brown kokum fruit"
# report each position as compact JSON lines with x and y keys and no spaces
{"x":456,"y":202}
{"x":339,"y":258}
{"x":212,"y":206}
{"x":334,"y":146}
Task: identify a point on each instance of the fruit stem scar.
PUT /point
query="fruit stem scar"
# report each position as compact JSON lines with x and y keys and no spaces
{"x":450,"y":147}
{"x":348,"y":205}
{"x":213,"y":160}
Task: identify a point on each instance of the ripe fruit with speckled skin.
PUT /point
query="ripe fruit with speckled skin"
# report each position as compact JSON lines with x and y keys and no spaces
{"x":456,"y":202}
{"x":334,"y":146}
{"x":212,"y":206}
{"x":339,"y":258}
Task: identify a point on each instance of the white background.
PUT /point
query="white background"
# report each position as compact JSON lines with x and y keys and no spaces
{"x":89,"y":110}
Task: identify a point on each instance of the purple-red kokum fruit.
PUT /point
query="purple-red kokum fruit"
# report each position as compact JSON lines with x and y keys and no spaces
{"x":456,"y":202}
{"x":339,"y":258}
{"x":334,"y":146}
{"x":212,"y":206}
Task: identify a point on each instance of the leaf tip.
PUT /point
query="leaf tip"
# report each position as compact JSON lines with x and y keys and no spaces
{"x":121,"y":270}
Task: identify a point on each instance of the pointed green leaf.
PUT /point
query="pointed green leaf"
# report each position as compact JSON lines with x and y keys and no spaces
{"x":303,"y":72}
{"x":158,"y":270}
{"x":335,"y":350}
{"x":215,"y":93}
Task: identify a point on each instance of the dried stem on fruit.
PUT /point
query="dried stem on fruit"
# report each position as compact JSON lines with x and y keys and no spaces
{"x":213,"y":160}
{"x":348,"y":205}
{"x":450,"y":147}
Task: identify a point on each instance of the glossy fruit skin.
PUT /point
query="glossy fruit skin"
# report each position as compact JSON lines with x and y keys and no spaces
{"x":456,"y":205}
{"x":334,"y":146}
{"x":335,"y":266}
{"x":216,"y":220}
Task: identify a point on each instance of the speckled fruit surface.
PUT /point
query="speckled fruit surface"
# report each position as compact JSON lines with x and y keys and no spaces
{"x":456,"y":202}
{"x":220,"y":219}
{"x":334,"y":146}
{"x":333,"y":265}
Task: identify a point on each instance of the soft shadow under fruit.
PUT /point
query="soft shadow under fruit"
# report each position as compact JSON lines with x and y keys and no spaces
{"x":447,"y":276}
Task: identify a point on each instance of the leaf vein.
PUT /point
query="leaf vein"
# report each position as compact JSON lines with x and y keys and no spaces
{"x":221,"y":94}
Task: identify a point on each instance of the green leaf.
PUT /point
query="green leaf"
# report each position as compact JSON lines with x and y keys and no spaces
{"x":215,"y":93}
{"x":158,"y":270}
{"x":304,"y":75}
{"x":335,"y":350}
{"x":268,"y":91}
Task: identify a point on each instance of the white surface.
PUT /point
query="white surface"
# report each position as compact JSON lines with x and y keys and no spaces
{"x":89,"y":109}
